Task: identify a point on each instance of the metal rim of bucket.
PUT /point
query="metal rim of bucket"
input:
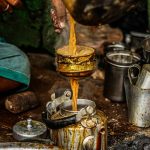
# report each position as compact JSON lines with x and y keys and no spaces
{"x":125,"y":53}
{"x":139,"y":34}
{"x":83,"y":102}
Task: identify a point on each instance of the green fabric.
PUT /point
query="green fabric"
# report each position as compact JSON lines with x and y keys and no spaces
{"x":14,"y":64}
{"x":30,"y":26}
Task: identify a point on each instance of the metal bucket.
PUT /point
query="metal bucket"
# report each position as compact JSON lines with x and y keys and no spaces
{"x":116,"y":69}
{"x":138,"y":102}
{"x":90,"y":133}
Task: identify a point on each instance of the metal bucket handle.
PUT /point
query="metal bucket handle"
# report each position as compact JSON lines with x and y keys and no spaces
{"x":132,"y":77}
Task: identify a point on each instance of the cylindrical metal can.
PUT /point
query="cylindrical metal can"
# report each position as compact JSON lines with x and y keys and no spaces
{"x":83,"y":135}
{"x":116,"y":69}
{"x":138,"y":102}
{"x":81,"y":65}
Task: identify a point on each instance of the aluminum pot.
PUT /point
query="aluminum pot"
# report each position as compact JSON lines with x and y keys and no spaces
{"x":116,"y":69}
{"x":81,"y":65}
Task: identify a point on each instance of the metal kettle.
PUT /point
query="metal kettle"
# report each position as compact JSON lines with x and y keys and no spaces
{"x":95,"y":12}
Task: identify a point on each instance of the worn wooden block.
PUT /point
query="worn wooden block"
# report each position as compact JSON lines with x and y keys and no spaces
{"x":21,"y":102}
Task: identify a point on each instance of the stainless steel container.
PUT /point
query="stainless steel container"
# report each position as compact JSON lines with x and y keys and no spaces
{"x":87,"y":133}
{"x":138,"y":102}
{"x":116,"y":69}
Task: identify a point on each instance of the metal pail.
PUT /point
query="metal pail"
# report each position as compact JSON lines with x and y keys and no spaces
{"x":138,"y":102}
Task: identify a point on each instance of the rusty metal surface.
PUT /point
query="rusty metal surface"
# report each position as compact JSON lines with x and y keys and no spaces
{"x":44,"y":77}
{"x":73,"y":137}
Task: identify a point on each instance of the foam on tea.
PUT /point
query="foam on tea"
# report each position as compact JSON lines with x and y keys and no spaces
{"x":80,"y":51}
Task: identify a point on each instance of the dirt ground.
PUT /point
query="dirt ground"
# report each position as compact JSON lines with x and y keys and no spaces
{"x":45,"y":80}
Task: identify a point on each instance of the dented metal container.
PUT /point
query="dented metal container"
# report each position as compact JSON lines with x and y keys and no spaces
{"x":82,"y":136}
{"x":85,"y":129}
{"x":138,"y":99}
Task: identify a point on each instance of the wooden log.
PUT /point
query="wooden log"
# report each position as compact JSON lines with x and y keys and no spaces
{"x":21,"y":102}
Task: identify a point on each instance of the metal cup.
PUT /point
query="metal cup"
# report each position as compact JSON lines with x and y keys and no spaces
{"x":143,"y":80}
{"x":138,"y":102}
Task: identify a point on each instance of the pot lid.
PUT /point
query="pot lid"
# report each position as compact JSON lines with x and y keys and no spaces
{"x":28,"y":129}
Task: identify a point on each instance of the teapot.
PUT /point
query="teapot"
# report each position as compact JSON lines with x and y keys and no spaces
{"x":95,"y":12}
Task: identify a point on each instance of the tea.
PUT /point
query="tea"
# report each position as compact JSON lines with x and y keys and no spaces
{"x":72,"y":50}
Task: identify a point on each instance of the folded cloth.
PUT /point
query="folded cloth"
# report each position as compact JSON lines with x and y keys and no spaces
{"x":14,"y":64}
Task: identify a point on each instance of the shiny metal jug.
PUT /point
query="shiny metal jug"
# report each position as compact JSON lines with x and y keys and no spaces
{"x":138,"y":101}
{"x":95,"y":12}
{"x":85,"y":129}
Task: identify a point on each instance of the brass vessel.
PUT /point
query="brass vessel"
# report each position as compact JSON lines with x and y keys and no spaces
{"x":85,"y":129}
{"x":80,"y":137}
{"x":81,"y":65}
{"x":94,"y":12}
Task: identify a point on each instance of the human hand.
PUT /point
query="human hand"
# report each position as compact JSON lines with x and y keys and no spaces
{"x":7,"y":5}
{"x":58,"y":15}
